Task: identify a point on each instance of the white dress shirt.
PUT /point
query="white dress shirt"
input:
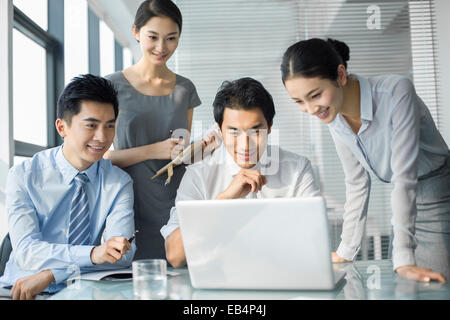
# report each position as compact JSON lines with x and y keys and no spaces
{"x":287,"y":174}
{"x":397,"y":142}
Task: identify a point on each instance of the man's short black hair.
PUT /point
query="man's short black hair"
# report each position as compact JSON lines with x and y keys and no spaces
{"x":85,"y":87}
{"x":246,"y":94}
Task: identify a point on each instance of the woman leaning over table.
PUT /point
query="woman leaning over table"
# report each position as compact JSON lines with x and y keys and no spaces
{"x":379,"y":125}
{"x":153,"y":102}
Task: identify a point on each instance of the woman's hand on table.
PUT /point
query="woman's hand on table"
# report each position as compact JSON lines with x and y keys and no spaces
{"x":419,"y":274}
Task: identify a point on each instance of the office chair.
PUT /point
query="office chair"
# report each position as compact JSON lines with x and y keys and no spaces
{"x":5,"y":252}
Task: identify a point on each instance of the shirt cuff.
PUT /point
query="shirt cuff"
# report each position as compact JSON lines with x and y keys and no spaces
{"x":61,"y":275}
{"x":347,"y":253}
{"x":82,"y":255}
{"x":403,"y":258}
{"x":168,"y":229}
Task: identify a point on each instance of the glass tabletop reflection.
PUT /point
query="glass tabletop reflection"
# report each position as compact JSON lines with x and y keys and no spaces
{"x":364,"y":280}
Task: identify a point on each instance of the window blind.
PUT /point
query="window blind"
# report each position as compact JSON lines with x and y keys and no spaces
{"x":226,"y":40}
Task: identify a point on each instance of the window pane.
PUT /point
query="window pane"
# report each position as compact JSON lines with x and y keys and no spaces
{"x":106,"y":50}
{"x":29,"y":90}
{"x":36,"y":10}
{"x":75,"y":38}
{"x":127,"y":58}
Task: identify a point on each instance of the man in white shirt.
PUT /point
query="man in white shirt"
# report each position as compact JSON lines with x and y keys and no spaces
{"x":244,"y":166}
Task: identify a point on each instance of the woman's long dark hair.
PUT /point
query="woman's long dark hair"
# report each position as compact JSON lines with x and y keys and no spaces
{"x":314,"y":58}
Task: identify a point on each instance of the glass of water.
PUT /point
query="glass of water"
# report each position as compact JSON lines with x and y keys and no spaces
{"x":150,"y":279}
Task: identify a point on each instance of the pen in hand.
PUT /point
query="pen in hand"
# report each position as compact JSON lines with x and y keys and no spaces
{"x":133,"y":236}
{"x":130,"y":240}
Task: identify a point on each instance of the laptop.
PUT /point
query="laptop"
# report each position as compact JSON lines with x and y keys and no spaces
{"x":270,"y":244}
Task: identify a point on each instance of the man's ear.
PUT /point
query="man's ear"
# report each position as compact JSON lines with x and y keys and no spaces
{"x":61,"y":127}
{"x":270,"y":128}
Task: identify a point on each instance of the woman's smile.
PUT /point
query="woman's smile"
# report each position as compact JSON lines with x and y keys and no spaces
{"x":322,"y":115}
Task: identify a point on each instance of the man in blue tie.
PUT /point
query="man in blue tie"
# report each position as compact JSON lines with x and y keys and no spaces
{"x":65,"y":200}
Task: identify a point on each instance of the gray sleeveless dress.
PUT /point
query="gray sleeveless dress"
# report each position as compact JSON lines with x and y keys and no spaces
{"x":144,"y":120}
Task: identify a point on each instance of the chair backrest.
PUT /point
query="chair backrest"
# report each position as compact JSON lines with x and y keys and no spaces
{"x":5,"y":252}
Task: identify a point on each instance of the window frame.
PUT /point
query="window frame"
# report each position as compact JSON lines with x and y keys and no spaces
{"x":93,"y":42}
{"x":118,"y":55}
{"x":53,"y":43}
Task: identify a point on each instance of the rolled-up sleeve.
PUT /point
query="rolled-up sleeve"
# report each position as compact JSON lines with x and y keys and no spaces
{"x":191,"y":188}
{"x":171,"y":225}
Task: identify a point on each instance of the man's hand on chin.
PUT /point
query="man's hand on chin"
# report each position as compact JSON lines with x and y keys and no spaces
{"x":28,"y":288}
{"x":243,"y":183}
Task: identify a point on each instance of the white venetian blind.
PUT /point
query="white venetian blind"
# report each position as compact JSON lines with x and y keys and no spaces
{"x":226,"y":40}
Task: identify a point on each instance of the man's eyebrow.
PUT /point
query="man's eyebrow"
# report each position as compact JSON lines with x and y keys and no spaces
{"x":96,"y":120}
{"x":91,"y":120}
{"x":258,"y":126}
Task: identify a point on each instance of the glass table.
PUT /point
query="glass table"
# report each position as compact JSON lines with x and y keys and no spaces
{"x":364,"y":280}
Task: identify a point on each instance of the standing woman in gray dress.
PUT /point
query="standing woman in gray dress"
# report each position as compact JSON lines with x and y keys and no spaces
{"x":153,"y":102}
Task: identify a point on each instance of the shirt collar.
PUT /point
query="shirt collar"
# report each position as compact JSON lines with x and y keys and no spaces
{"x":365,"y":104}
{"x":69,"y":172}
{"x":365,"y":99}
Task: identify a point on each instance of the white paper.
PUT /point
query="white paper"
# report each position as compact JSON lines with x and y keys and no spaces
{"x":100,"y":275}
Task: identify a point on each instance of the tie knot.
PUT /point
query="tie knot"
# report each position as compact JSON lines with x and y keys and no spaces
{"x":81,"y":179}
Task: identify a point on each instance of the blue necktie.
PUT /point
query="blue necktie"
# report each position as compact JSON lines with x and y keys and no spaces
{"x":79,"y":230}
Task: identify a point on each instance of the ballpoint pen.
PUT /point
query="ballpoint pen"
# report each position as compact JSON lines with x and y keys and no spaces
{"x":133,"y":236}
